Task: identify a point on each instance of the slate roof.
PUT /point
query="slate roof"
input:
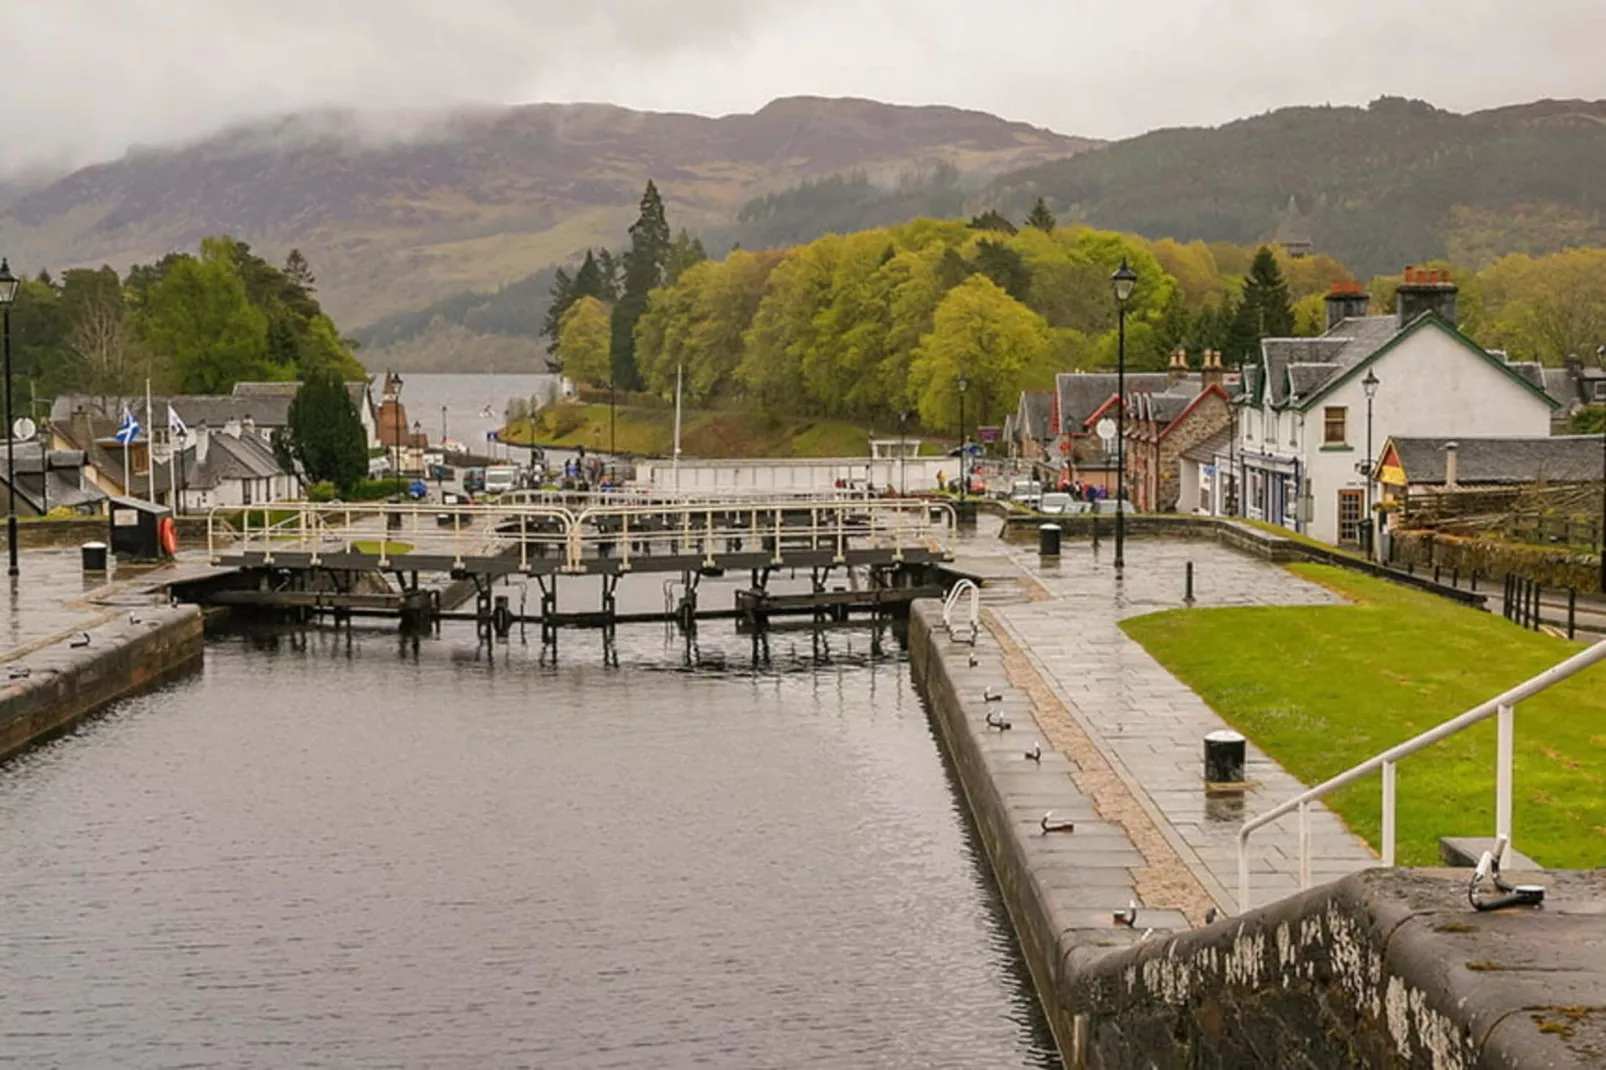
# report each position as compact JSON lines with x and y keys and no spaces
{"x":359,"y":391}
{"x":1207,"y":451}
{"x":1557,"y":459}
{"x":65,"y":486}
{"x":213,"y":410}
{"x":1345,"y":345}
{"x":1035,"y":414}
{"x":1082,"y":393}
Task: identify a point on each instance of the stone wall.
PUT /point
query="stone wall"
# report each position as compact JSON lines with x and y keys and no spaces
{"x":126,"y":651}
{"x":1553,"y":567}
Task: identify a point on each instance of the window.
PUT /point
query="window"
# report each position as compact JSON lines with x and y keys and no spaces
{"x":1351,"y":504}
{"x":1600,"y":391}
{"x":1333,"y":430}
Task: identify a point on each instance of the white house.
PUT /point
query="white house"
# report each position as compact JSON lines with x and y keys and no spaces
{"x":1307,"y":432}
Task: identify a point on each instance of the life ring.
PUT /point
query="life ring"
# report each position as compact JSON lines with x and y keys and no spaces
{"x":167,"y":535}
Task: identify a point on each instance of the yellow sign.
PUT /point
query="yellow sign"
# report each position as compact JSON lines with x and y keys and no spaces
{"x":1391,"y":474}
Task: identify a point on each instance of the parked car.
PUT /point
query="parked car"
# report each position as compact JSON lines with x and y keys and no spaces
{"x":500,"y":478}
{"x":1055,"y":504}
{"x":474,"y":480}
{"x":1028,"y":492}
{"x":451,"y":516}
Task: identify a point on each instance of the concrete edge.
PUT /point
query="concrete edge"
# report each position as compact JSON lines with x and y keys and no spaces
{"x":56,"y":685}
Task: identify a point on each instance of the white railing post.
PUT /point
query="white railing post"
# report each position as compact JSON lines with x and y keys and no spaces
{"x":1388,"y":813}
{"x":1505,"y":740}
{"x":1304,"y":846}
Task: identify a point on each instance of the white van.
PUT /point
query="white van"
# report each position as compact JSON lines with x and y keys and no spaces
{"x":501,"y":478}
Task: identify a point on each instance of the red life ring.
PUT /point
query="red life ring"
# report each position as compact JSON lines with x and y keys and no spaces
{"x":167,"y":535}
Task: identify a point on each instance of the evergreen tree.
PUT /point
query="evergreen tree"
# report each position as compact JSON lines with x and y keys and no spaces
{"x":1042,"y":218}
{"x":1242,"y":333}
{"x":587,"y":280}
{"x":608,"y":268}
{"x":562,"y":296}
{"x":299,"y":272}
{"x":683,"y":254}
{"x":644,"y":272}
{"x":992,"y":220}
{"x":1004,"y":266}
{"x":283,"y":347}
{"x":325,"y":433}
{"x":1175,"y":329}
{"x":1267,"y":292}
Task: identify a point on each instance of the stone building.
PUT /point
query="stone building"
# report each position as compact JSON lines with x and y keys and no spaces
{"x":1162,"y":427}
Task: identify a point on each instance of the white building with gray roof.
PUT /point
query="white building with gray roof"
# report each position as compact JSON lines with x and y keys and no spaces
{"x":1301,"y":456}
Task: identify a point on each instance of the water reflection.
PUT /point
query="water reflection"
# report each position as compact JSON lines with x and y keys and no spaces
{"x":342,"y":846}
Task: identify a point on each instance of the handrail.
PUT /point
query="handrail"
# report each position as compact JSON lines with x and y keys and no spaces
{"x":1502,"y":705}
{"x":958,"y":591}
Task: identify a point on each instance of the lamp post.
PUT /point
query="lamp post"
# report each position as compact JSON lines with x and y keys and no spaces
{"x":1370,"y":384}
{"x":418,"y":435}
{"x":1600,"y":357}
{"x":1123,"y":280}
{"x":8,"y":294}
{"x":903,"y":453}
{"x":964,"y":454}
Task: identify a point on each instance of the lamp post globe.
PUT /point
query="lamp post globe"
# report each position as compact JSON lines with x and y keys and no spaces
{"x":1124,"y":281}
{"x":8,"y":294}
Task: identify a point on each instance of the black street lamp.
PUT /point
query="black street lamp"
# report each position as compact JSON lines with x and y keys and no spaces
{"x":1124,"y":280}
{"x":903,"y":453}
{"x":964,"y":453}
{"x":8,"y":294}
{"x":1600,"y":356}
{"x":1370,"y":384}
{"x":418,"y":439}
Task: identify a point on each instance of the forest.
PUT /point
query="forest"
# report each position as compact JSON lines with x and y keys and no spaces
{"x":188,"y":323}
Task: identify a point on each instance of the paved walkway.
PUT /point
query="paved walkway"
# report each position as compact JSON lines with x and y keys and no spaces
{"x":1147,"y":724}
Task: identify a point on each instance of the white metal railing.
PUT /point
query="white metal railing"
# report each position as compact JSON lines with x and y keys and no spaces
{"x":1502,"y":706}
{"x":972,"y":617}
{"x":627,"y":532}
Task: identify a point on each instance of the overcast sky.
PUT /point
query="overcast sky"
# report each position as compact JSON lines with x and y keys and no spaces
{"x":87,"y":78}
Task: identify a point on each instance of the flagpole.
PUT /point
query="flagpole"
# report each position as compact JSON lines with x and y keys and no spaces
{"x":172,"y":463}
{"x":150,"y":458}
{"x":128,"y":447}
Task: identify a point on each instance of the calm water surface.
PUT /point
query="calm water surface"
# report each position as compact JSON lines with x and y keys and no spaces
{"x":342,"y":849}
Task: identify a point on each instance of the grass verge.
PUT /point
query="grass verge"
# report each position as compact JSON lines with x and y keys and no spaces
{"x":373,"y":546}
{"x":1323,"y":688}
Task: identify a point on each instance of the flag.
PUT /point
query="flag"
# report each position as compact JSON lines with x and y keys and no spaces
{"x":175,"y":426}
{"x":130,"y":429}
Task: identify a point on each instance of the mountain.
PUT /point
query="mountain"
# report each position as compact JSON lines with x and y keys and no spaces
{"x":1395,"y":183}
{"x":396,"y":211}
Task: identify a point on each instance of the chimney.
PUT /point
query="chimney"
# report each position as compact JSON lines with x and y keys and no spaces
{"x":1346,"y":300}
{"x":1211,"y":371}
{"x":203,"y":441}
{"x":1425,"y":291}
{"x":1178,"y":369}
{"x":1451,"y":465}
{"x":83,"y":430}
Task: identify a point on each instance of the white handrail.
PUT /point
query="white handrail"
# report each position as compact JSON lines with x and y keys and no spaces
{"x":959,"y":590}
{"x":1502,"y":705}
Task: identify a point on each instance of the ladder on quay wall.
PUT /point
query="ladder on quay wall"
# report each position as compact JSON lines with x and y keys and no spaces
{"x":1502,"y":706}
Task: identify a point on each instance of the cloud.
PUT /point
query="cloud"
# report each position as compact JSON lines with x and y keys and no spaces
{"x":88,"y":78}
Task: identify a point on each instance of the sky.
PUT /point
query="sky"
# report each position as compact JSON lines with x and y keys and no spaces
{"x":90,"y":78}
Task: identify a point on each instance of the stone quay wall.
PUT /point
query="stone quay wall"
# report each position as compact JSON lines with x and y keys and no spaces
{"x":1385,"y":968}
{"x":63,"y":682}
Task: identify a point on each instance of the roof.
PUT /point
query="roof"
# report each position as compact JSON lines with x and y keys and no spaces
{"x":64,"y":485}
{"x":1344,"y":346}
{"x":1035,"y":414}
{"x":1558,"y":459}
{"x":1361,"y":353}
{"x":214,"y":410}
{"x":361,"y":395}
{"x":1206,"y":451}
{"x":1081,"y":394}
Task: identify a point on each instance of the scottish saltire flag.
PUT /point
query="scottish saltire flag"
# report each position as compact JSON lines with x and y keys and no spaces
{"x":130,"y":429}
{"x":175,"y":426}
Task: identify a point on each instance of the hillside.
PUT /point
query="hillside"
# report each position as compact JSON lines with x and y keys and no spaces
{"x":1394,"y":183}
{"x":397,"y":211}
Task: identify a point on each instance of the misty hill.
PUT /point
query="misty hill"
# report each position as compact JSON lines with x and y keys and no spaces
{"x":1379,"y":187}
{"x":397,"y":211}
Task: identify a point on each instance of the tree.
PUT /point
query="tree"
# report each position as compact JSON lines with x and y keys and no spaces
{"x":561,"y":297}
{"x":199,"y":318}
{"x":683,"y":254}
{"x":1041,"y":217}
{"x":644,"y":272}
{"x":105,"y":359}
{"x":584,"y":341}
{"x":992,"y":219}
{"x":326,"y":434}
{"x":1266,"y":293}
{"x":1004,"y":266}
{"x":983,"y":333}
{"x":299,"y":272}
{"x":324,"y":350}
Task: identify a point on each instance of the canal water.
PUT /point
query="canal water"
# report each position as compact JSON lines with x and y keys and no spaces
{"x":346,"y":848}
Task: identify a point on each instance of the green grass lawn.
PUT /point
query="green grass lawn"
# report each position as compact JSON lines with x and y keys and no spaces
{"x":391,"y":547}
{"x":1323,"y":688}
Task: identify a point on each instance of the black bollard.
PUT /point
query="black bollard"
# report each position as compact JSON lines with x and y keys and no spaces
{"x":1048,"y":540}
{"x":1187,"y":590}
{"x":1572,"y":612}
{"x":1224,"y":758}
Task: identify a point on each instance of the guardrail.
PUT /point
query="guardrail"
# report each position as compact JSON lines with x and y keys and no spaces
{"x":1502,"y":706}
{"x":973,"y":617}
{"x":625,"y":532}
